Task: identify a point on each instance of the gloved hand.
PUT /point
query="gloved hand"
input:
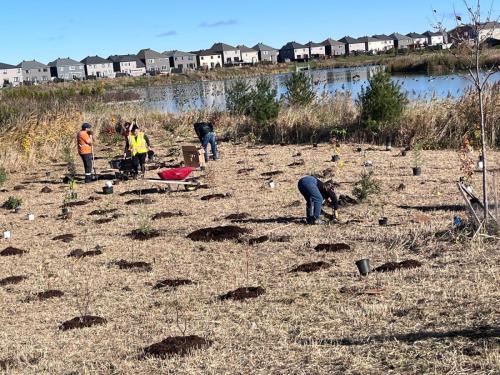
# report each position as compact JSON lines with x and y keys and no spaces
{"x":89,"y":132}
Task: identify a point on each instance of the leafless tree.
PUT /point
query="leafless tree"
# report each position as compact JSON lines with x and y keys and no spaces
{"x":469,"y":41}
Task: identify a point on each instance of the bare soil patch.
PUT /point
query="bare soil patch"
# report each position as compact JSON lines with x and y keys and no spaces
{"x":332,"y":247}
{"x":66,"y":238}
{"x":19,"y":187}
{"x":79,"y":253}
{"x":243,"y":293}
{"x":215,"y":197}
{"x":48,"y":294}
{"x":82,"y":322}
{"x":176,"y":346}
{"x":140,"y":235}
{"x":76,"y":204}
{"x":141,"y":192}
{"x":271,"y":173}
{"x":104,"y":220}
{"x":221,"y":233}
{"x":46,"y":190}
{"x":393,"y":266}
{"x":103,"y":212}
{"x":245,"y":170}
{"x":134,"y":202}
{"x":12,"y":251}
{"x":238,"y":216}
{"x":258,"y":240}
{"x":126,"y":265}
{"x":311,"y":267}
{"x":11,"y":280}
{"x":346,"y":200}
{"x":172,"y":283}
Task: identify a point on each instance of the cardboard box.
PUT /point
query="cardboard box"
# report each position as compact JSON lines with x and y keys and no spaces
{"x":193,"y":156}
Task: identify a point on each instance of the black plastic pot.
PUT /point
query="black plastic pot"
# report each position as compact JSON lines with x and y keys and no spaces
{"x":417,"y":171}
{"x":403,"y":153}
{"x":335,"y":158}
{"x":382,"y":221}
{"x":65,"y":210}
{"x":107,"y":189}
{"x":363,"y":266}
{"x":315,"y":145}
{"x":481,"y":158}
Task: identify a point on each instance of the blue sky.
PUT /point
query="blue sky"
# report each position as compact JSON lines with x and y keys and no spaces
{"x":47,"y":30}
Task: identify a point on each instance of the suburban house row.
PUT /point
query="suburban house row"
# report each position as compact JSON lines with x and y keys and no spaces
{"x":150,"y":62}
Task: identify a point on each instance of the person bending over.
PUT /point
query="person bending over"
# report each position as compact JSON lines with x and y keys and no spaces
{"x":316,"y":192}
{"x":206,"y":135}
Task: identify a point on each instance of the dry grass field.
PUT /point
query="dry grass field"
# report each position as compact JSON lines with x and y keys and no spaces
{"x":440,"y":318}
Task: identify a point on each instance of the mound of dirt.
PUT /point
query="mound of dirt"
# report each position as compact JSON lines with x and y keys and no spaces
{"x":46,"y":190}
{"x":11,"y":251}
{"x":166,"y":215}
{"x":12,"y":280}
{"x":172,"y":283}
{"x":82,"y":322}
{"x":79,"y":253}
{"x":134,"y":202}
{"x":215,"y":196}
{"x":76,"y":203}
{"x":297,"y":163}
{"x":176,"y":345}
{"x":104,"y":220}
{"x":280,"y":238}
{"x":103,"y":212}
{"x":311,"y":267}
{"x":345,"y":200}
{"x":294,"y":204}
{"x":245,"y":170}
{"x":332,"y":247}
{"x":222,"y":233}
{"x":393,"y":266}
{"x":244,"y":293}
{"x":240,"y":216}
{"x":66,"y":238}
{"x":140,"y":192}
{"x":138,"y":234}
{"x":271,"y":173}
{"x":258,"y":240}
{"x":126,"y":265}
{"x":19,"y":187}
{"x":42,"y":296}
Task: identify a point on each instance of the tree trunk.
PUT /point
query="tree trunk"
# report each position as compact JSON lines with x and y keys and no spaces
{"x":483,"y":152}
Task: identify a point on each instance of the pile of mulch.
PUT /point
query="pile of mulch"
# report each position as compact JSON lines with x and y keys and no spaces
{"x":48,"y":294}
{"x":345,"y":200}
{"x":258,"y":240}
{"x":66,"y":238}
{"x":393,"y":266}
{"x":103,"y":212}
{"x":76,"y":203}
{"x":176,"y":345}
{"x":271,"y":173}
{"x":215,"y":196}
{"x":19,"y":187}
{"x":172,"y":283}
{"x":46,"y":190}
{"x":311,"y":267}
{"x":244,"y":293}
{"x":82,"y":322}
{"x":140,"y":235}
{"x":221,"y":233}
{"x":12,"y":280}
{"x":126,"y":265}
{"x":332,"y":247}
{"x":141,"y":192}
{"x":294,"y":204}
{"x":166,"y":215}
{"x":79,"y":253}
{"x":12,"y":251}
{"x":245,"y":170}
{"x":134,"y":202}
{"x":297,"y":163}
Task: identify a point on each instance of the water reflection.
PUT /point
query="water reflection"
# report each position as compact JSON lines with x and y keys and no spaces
{"x":328,"y":82}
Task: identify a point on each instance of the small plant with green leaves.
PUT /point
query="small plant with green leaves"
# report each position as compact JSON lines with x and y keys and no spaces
{"x":69,"y":159}
{"x":12,"y":203}
{"x":3,"y":176}
{"x":366,"y":186}
{"x":417,"y":154}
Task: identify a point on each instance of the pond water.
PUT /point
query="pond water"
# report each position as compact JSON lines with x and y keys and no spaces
{"x":211,"y":94}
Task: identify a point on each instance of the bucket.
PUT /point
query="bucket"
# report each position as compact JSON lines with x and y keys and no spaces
{"x":417,"y":171}
{"x":7,"y":234}
{"x":65,"y":210}
{"x":382,"y":221}
{"x":31,"y":217}
{"x":363,"y":266}
{"x":335,"y":158}
{"x":271,"y":184}
{"x":107,"y":189}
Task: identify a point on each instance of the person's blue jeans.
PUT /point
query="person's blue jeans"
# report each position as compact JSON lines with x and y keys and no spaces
{"x":308,"y":187}
{"x":210,"y":138}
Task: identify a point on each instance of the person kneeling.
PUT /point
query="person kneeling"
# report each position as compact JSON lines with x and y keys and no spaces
{"x":138,"y":144}
{"x":315,"y":192}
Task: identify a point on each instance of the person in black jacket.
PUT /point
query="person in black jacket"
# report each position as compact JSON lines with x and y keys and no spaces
{"x":205,"y":132}
{"x":315,"y":192}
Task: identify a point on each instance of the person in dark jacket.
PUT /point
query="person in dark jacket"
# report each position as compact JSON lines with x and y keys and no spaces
{"x":315,"y":193}
{"x":206,"y":135}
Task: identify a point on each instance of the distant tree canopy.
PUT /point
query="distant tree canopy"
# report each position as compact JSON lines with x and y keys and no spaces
{"x":299,"y":89}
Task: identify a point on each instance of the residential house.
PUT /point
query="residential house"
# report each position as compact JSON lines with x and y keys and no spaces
{"x":129,"y":65}
{"x":294,"y":51}
{"x":373,"y":45}
{"x":316,"y":50}
{"x":266,"y":53}
{"x":387,"y":41}
{"x":10,"y":75}
{"x":333,"y":47}
{"x":401,"y":41}
{"x":248,"y":55}
{"x":180,"y":61}
{"x":98,"y":67}
{"x":67,"y":69}
{"x":155,"y":62}
{"x":34,"y":71}
{"x":208,"y":59}
{"x":353,"y":46}
{"x":436,"y":38}
{"x":230,"y":55}
{"x":487,"y":30}
{"x":419,"y":40}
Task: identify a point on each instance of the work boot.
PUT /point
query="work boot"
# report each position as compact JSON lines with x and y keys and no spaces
{"x":318,"y":222}
{"x":88,"y":179}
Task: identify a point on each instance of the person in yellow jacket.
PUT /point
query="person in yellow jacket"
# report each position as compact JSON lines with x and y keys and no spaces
{"x":138,"y":145}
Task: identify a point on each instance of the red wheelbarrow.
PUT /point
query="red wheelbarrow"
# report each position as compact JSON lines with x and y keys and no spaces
{"x":178,"y":177}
